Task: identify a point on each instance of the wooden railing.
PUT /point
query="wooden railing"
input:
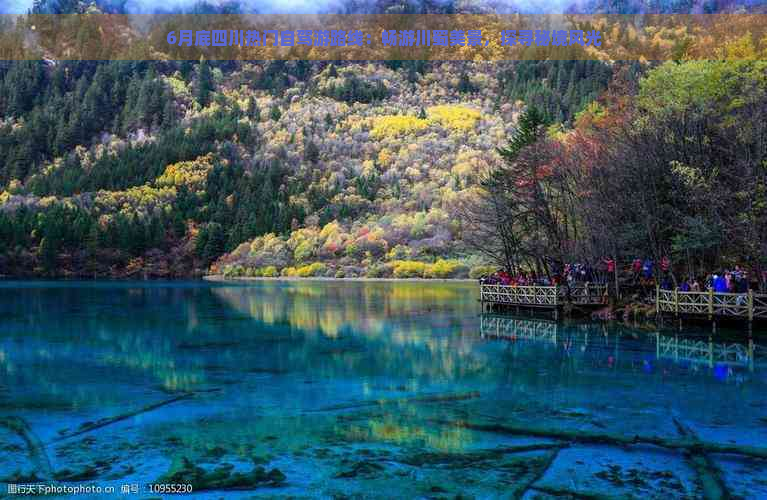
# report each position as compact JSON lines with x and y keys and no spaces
{"x":537,"y":296}
{"x":542,"y":296}
{"x":747,"y":305}
{"x":587,"y":294}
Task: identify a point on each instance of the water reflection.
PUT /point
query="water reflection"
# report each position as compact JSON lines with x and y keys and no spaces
{"x":349,"y":388}
{"x":723,"y":356}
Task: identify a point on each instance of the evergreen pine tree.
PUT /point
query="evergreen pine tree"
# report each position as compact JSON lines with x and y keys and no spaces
{"x":274,"y":113}
{"x":94,"y":239}
{"x":254,"y":113}
{"x":311,"y":152}
{"x":464,"y":84}
{"x":216,"y":242}
{"x":204,"y":82}
{"x":48,"y":254}
{"x":530,"y":128}
{"x":169,"y":112}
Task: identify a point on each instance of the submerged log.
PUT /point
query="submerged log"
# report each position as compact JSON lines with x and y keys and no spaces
{"x":472,"y":458}
{"x":709,"y":476}
{"x":90,"y":426}
{"x":428,"y":398}
{"x":587,"y":437}
{"x":546,"y":465}
{"x":578,"y":495}
{"x":35,"y":447}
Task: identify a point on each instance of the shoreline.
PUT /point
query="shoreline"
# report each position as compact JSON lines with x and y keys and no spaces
{"x":220,"y":278}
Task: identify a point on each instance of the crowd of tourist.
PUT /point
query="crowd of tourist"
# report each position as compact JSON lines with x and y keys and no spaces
{"x":520,"y":279}
{"x":572,"y":273}
{"x":727,"y":281}
{"x":643,"y":272}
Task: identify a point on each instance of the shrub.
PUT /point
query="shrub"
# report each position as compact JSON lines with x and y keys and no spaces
{"x":234,"y":271}
{"x":288,"y":271}
{"x":482,"y":270}
{"x":315,"y":269}
{"x":409,"y":269}
{"x":269,"y":271}
{"x":445,"y":269}
{"x":354,"y":271}
{"x":304,"y":250}
{"x":399,"y":252}
{"x":377,"y":271}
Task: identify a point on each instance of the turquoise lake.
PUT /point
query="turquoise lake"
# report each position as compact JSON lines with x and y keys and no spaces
{"x":366,"y":390}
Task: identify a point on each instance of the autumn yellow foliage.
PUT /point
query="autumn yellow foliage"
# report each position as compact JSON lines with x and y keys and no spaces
{"x":269,"y":271}
{"x":445,"y":268}
{"x":396,"y":125}
{"x":454,"y":117}
{"x":187,"y":173}
{"x":408,"y":268}
{"x":442,"y":268}
{"x":315,"y":269}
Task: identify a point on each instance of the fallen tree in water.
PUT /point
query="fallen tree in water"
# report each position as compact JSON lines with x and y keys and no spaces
{"x":586,"y":437}
{"x":34,"y":446}
{"x":524,"y":488}
{"x":428,"y":398}
{"x":709,"y":476}
{"x":103,"y":422}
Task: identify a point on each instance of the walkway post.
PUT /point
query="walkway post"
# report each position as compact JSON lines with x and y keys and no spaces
{"x":750,"y":306}
{"x":657,"y":300}
{"x":710,"y":303}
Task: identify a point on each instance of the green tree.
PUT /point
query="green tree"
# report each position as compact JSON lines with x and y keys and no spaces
{"x":464,"y":84}
{"x":274,"y":113}
{"x":530,"y":128}
{"x":254,"y":113}
{"x":48,"y":254}
{"x":215,"y":243}
{"x":204,"y":82}
{"x":311,"y":152}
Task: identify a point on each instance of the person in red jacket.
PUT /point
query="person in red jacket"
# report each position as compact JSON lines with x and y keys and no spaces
{"x":637,"y":268}
{"x":665,"y":264}
{"x":609,"y":268}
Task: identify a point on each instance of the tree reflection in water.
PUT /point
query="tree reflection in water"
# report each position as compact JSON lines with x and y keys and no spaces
{"x":349,"y":388}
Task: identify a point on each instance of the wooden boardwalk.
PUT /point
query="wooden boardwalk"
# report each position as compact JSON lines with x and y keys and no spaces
{"x":546,"y":297}
{"x":750,"y":306}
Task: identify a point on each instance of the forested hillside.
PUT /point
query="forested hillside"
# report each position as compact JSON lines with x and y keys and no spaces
{"x":132,"y":168}
{"x":179,"y":168}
